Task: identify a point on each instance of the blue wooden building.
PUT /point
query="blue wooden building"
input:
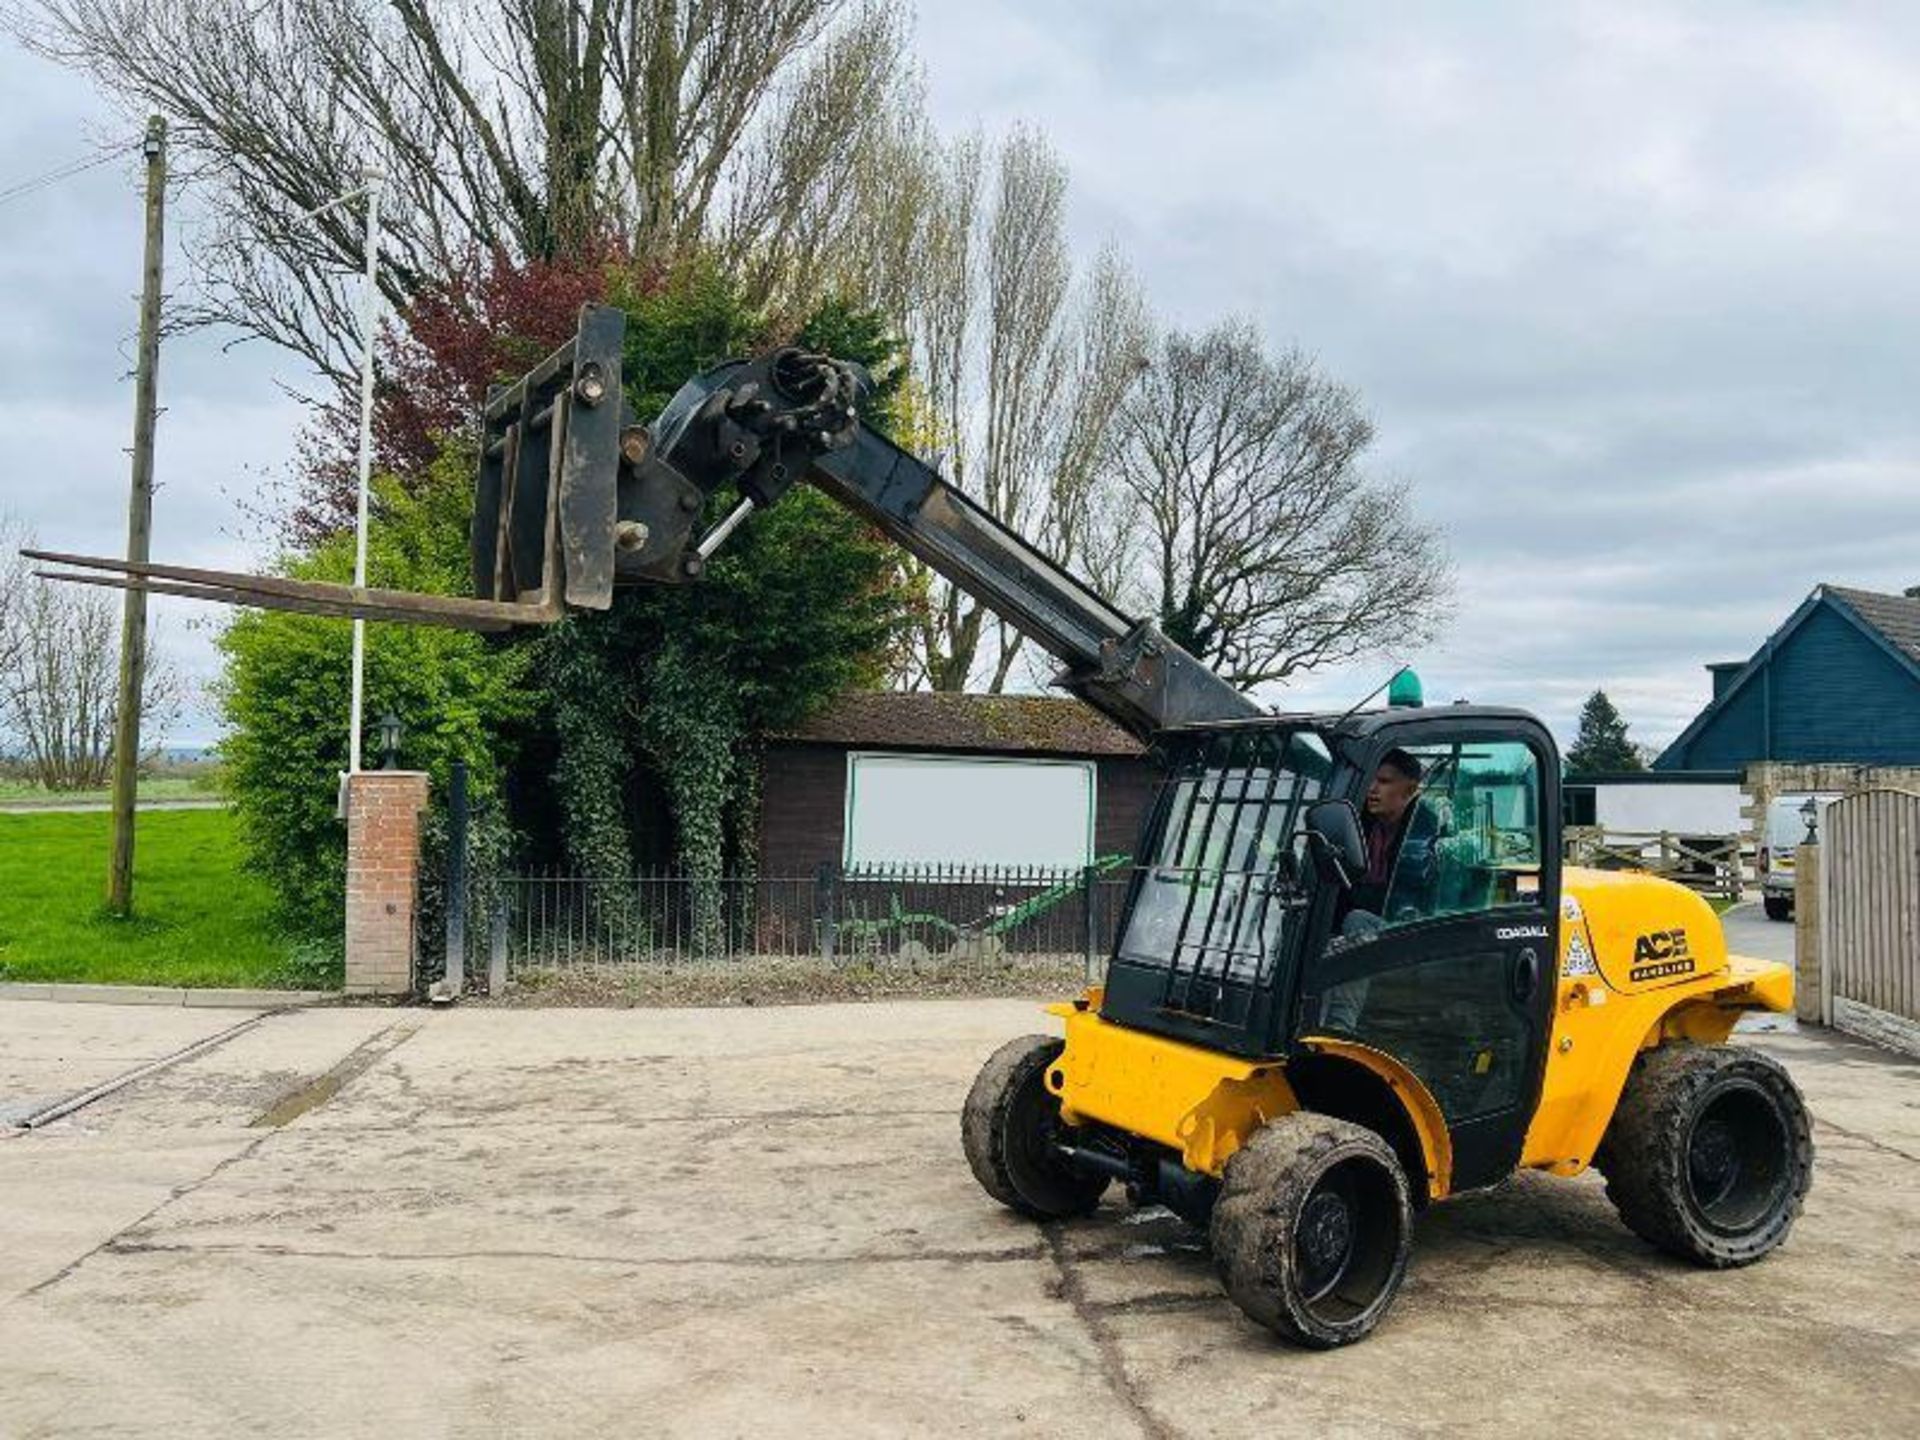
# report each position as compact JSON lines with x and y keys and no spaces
{"x":1838,"y":683}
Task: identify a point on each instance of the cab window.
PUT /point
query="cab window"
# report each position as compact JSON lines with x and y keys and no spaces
{"x":1472,"y":839}
{"x":1220,"y":876}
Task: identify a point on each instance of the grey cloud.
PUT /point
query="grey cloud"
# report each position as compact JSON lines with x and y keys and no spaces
{"x":69,"y":277}
{"x":1628,"y":289}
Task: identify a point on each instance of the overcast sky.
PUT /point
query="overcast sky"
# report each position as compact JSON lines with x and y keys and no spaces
{"x":1631,"y":297}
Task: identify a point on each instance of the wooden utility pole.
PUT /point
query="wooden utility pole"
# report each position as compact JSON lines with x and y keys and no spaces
{"x":133,"y":626}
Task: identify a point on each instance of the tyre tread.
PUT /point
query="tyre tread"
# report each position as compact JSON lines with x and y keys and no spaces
{"x":983,"y":1133}
{"x":1266,"y":1181}
{"x":1644,"y":1156}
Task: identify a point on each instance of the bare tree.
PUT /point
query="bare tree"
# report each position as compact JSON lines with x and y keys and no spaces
{"x":60,"y":681}
{"x":541,"y":128}
{"x":15,"y":573}
{"x":1021,"y":369}
{"x":789,"y":198}
{"x":1267,"y":551}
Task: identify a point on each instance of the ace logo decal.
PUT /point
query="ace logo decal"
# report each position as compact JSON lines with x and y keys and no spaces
{"x":1659,"y":954}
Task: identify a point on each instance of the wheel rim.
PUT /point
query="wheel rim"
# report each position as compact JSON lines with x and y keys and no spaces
{"x":1035,"y":1128}
{"x":1035,"y":1133}
{"x":1347,"y":1242}
{"x":1324,"y":1239}
{"x":1737,"y":1159}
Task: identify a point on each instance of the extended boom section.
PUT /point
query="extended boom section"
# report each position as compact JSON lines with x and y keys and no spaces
{"x":1124,"y":668}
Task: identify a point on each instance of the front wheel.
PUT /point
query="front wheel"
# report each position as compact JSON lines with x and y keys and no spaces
{"x":1778,"y":907}
{"x":1312,"y":1229}
{"x":1011,"y":1129}
{"x":1710,"y":1153}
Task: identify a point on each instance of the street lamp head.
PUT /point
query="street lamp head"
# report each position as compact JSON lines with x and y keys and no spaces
{"x":1810,"y":812}
{"x":390,"y":733}
{"x":591,"y":387}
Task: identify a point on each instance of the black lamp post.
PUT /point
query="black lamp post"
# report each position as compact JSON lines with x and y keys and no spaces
{"x":1810,"y":812}
{"x":390,"y":733}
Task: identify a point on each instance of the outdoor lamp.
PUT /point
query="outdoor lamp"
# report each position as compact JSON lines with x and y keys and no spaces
{"x":390,"y":732}
{"x":1810,"y":812}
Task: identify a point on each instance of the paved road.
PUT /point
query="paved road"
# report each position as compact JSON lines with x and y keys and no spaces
{"x":362,"y":1222}
{"x":1750,"y":932}
{"x":96,"y":807}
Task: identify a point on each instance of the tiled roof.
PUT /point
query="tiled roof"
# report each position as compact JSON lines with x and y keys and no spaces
{"x":1897,"y":617}
{"x":923,"y":720}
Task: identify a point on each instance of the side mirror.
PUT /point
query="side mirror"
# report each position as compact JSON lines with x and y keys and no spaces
{"x":1333,"y":830}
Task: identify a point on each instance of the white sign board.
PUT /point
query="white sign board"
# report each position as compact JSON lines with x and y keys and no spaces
{"x":962,"y":810}
{"x":1685,"y":809}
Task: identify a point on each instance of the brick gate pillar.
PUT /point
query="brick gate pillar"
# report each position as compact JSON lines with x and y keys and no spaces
{"x":383,"y":867}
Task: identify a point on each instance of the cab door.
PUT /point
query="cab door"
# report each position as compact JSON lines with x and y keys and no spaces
{"x":1453,"y":975}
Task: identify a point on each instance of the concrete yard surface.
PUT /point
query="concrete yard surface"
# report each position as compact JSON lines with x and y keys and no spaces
{"x":1750,"y":932}
{"x":758,"y":1222}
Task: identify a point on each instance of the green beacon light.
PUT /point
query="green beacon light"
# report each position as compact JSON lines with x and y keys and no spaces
{"x":1405,"y":691}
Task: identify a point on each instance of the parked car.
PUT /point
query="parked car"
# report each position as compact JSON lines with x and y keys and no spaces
{"x":1786,"y":830}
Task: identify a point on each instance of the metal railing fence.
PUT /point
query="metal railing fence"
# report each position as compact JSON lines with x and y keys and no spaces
{"x":970,"y":917}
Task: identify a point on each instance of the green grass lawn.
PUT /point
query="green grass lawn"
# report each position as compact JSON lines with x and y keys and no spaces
{"x":152,"y":787}
{"x":199,"y":918}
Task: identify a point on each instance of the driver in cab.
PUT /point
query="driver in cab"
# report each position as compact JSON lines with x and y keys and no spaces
{"x":1393,"y":821}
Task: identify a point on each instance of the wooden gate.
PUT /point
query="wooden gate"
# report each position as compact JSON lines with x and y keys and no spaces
{"x":1870,"y":915}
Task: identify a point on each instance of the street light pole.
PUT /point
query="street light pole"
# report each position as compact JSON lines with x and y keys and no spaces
{"x":369,"y":314}
{"x":369,"y":309}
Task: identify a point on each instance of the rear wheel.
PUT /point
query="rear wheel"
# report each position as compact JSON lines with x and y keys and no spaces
{"x":1710,"y":1153}
{"x":1312,"y":1229}
{"x":1778,"y":907}
{"x":1011,"y":1127}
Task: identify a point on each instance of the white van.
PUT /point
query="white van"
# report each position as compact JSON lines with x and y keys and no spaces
{"x":1786,"y":830}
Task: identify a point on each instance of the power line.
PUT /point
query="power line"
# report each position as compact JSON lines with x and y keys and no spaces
{"x":23,"y":188}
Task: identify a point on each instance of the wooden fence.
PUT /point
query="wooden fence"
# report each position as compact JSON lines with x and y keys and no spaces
{"x":1870,"y":915}
{"x":1709,"y":863}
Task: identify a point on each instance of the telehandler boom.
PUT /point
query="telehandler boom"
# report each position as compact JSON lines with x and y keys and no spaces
{"x":1310,"y":1025}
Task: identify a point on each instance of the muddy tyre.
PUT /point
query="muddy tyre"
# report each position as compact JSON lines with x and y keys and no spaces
{"x":1009,"y":1128}
{"x":1710,"y":1153}
{"x":1312,"y":1229}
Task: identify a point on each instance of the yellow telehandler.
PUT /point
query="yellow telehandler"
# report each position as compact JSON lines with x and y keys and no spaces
{"x":1311,"y":1024}
{"x":1297,"y":1061}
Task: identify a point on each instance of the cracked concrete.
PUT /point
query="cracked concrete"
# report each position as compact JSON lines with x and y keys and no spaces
{"x":369,"y":1222}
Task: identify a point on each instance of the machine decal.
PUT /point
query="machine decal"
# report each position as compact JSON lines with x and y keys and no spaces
{"x":1521,"y":932}
{"x":1660,"y":954}
{"x":1660,"y":945}
{"x":1579,"y":959}
{"x":1662,"y":970}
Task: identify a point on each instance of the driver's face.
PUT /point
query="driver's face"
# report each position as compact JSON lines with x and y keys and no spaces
{"x":1390,"y":793}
